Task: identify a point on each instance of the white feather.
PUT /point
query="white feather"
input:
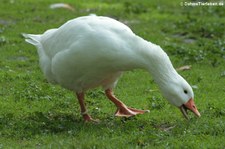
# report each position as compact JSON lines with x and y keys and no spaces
{"x":93,"y":51}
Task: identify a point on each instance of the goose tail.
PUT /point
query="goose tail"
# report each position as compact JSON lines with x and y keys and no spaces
{"x":32,"y":38}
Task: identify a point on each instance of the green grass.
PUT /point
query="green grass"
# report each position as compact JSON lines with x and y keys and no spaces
{"x":35,"y":114}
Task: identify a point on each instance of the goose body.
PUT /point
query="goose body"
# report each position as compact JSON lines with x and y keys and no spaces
{"x":92,"y":51}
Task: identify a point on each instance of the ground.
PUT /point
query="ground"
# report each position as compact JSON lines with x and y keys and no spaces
{"x":36,"y":114}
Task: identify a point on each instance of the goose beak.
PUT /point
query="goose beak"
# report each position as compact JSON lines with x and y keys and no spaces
{"x":190,"y":105}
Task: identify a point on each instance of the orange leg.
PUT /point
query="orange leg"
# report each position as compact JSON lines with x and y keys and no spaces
{"x":122,"y":109}
{"x":84,"y":113}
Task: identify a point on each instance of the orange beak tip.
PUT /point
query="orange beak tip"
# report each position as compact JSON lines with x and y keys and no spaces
{"x":198,"y":114}
{"x":190,"y":105}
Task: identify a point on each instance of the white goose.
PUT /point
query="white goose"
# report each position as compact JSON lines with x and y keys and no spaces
{"x":92,"y":51}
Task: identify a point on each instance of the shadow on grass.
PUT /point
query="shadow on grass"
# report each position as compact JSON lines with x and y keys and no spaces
{"x":39,"y":123}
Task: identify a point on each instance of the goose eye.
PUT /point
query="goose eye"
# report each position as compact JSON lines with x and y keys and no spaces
{"x":185,"y":91}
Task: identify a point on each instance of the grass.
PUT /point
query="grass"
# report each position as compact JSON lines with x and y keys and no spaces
{"x":35,"y":114}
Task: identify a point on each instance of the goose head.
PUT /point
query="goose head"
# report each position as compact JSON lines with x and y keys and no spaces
{"x":172,"y":85}
{"x":180,"y":94}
